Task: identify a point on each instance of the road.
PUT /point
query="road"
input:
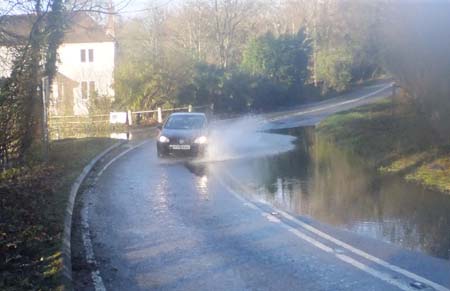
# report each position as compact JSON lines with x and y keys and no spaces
{"x":178,"y":225}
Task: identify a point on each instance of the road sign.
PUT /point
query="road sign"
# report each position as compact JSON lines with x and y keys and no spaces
{"x":118,"y":117}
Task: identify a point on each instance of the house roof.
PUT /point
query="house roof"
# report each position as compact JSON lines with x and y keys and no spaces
{"x":82,"y":28}
{"x":15,"y":29}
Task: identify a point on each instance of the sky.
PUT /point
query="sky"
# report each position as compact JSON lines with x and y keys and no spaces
{"x":135,"y":7}
{"x":128,"y":8}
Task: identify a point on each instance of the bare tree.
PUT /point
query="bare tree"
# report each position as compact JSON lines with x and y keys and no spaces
{"x":190,"y":29}
{"x":32,"y":52}
{"x":30,"y":35}
{"x":230,"y":26}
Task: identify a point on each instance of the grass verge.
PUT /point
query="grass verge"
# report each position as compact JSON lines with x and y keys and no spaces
{"x":394,"y":137}
{"x":33,"y":201}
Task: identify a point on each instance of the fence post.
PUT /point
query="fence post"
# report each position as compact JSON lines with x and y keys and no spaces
{"x":190,"y":108}
{"x":130,"y":118}
{"x":159,"y":115}
{"x":394,"y":93}
{"x":394,"y":87}
{"x":45,"y":94}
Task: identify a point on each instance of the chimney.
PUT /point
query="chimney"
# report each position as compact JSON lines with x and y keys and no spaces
{"x":111,"y":23}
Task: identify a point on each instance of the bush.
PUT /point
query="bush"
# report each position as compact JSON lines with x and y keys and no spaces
{"x":334,"y":68}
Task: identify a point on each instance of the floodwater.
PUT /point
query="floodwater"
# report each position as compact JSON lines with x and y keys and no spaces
{"x":318,"y":180}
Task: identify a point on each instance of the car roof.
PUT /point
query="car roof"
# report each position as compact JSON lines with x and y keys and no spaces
{"x":188,"y":113}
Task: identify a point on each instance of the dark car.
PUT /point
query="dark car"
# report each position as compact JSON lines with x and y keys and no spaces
{"x":183,"y":134}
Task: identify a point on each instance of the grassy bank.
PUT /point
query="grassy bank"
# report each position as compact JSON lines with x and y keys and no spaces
{"x":394,"y":137}
{"x":33,"y":201}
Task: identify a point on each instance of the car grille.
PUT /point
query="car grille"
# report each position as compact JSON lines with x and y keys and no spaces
{"x":182,"y":140}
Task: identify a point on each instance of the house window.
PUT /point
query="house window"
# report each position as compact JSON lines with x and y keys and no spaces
{"x":91,"y":88}
{"x":83,"y":56}
{"x":84,"y":90}
{"x":61,"y":90}
{"x":87,"y":89}
{"x":91,"y":55}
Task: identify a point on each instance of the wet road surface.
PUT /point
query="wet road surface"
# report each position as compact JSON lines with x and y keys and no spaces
{"x":317,"y":179}
{"x":177,"y":225}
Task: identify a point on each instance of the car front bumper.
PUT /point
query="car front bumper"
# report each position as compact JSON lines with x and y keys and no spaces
{"x":168,"y":149}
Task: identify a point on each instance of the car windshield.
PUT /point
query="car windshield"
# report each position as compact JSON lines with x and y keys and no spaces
{"x":185,"y":122}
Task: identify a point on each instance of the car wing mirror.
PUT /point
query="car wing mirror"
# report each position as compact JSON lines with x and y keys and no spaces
{"x":159,"y":126}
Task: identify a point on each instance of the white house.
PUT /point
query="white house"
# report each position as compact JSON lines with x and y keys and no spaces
{"x":85,"y":66}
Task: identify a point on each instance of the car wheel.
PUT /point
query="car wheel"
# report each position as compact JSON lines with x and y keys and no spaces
{"x":201,"y":154}
{"x":159,"y":154}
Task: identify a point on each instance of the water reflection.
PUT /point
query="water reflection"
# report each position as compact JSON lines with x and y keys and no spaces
{"x":201,"y":178}
{"x":202,"y":187}
{"x":132,"y":134}
{"x":333,"y":186}
{"x":121,"y":135}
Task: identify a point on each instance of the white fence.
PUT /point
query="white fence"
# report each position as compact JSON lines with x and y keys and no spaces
{"x":159,"y":113}
{"x":101,"y":124}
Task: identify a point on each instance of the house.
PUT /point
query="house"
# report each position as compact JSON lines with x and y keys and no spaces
{"x":85,"y":66}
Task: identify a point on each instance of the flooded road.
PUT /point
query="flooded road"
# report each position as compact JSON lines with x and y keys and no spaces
{"x":177,"y":224}
{"x":320,"y":181}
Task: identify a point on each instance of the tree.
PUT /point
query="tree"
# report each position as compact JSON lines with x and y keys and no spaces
{"x":283,"y":60}
{"x":33,"y":56}
{"x":173,"y":52}
{"x":229,"y":27}
{"x":344,"y":41}
{"x":189,"y":28}
{"x":415,"y":46}
{"x":334,"y":68}
{"x":149,"y":70}
{"x":284,"y":17}
{"x":205,"y":87}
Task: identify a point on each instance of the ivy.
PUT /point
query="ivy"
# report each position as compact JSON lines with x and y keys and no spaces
{"x":20,"y":102}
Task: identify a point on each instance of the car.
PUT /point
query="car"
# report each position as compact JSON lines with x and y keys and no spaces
{"x":183,"y":134}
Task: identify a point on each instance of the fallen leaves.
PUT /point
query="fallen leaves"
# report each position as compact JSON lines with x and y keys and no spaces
{"x":25,"y":230}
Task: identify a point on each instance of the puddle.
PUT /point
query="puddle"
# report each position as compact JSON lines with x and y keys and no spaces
{"x":318,"y":180}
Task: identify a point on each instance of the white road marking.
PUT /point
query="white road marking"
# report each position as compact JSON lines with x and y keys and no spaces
{"x":250,"y":205}
{"x":85,"y":232}
{"x":307,"y":238}
{"x":334,"y":105}
{"x":363,"y":254}
{"x":87,"y":242}
{"x":98,"y":281}
{"x":378,"y":274}
{"x":283,"y":115}
{"x":270,"y":217}
{"x":119,"y":156}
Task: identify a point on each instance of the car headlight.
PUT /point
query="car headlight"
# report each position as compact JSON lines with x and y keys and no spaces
{"x":163,"y":139}
{"x":201,"y":140}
